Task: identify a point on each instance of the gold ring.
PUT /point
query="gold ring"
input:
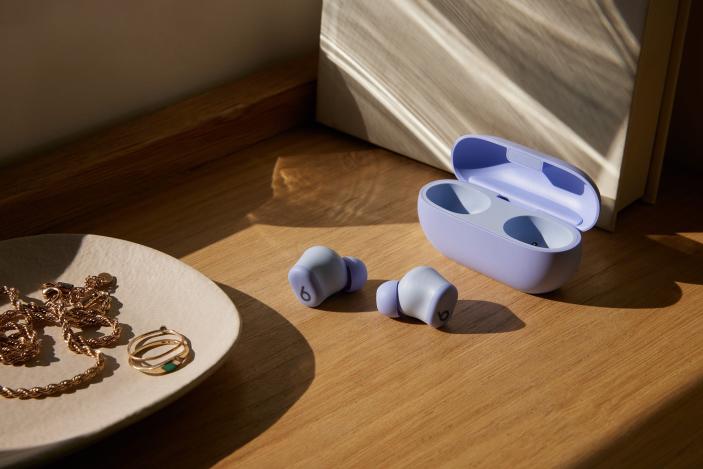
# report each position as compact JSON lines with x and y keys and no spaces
{"x":171,"y":359}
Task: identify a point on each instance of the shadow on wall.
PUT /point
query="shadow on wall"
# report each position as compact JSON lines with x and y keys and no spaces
{"x":269,"y":369}
{"x":553,"y":76}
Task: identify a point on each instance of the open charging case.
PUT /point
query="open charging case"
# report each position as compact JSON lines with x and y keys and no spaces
{"x":513,"y":213}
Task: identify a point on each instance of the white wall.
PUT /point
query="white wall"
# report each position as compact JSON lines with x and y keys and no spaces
{"x":70,"y":67}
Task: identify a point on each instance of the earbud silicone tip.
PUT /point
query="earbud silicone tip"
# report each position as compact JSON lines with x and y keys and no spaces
{"x":357,"y":274}
{"x":387,"y":299}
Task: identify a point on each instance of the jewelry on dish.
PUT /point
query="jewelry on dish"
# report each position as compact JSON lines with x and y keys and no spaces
{"x":163,"y":362}
{"x":68,"y":307}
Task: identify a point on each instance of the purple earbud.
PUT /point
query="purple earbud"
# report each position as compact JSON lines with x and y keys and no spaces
{"x":320,"y":272}
{"x":422,"y":293}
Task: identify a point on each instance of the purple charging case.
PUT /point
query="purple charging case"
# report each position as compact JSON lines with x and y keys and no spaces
{"x":513,"y":213}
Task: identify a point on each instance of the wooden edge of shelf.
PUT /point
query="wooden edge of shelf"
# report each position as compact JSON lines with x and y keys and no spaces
{"x":672,"y":78}
{"x":124,"y":161}
{"x":658,"y":48}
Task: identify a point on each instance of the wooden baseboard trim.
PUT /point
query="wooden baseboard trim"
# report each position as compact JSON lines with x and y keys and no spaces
{"x":124,"y":161}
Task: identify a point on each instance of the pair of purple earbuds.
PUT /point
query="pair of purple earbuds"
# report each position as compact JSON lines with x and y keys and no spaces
{"x":422,"y":293}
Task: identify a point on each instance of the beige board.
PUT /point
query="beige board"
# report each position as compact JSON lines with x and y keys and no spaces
{"x":154,"y":289}
{"x":555,"y":76}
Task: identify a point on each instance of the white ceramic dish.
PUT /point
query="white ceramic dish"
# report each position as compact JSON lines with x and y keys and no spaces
{"x":154,"y":289}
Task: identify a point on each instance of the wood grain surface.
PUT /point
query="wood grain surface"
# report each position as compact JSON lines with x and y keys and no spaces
{"x":119,"y":163}
{"x":607,"y":371}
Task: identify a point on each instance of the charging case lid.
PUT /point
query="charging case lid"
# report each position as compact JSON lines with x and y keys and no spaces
{"x":528,"y":177}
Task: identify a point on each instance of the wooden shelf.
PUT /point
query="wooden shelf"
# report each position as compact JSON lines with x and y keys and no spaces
{"x":607,"y":371}
{"x":592,"y":374}
{"x":120,"y":163}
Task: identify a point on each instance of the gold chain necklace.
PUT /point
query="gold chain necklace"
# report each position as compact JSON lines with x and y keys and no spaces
{"x":68,"y":307}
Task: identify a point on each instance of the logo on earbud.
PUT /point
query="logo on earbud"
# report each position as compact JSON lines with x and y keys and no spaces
{"x":444,"y":315}
{"x":304,"y":295}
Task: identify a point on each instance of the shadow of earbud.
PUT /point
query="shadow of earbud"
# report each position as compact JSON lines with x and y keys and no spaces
{"x":476,"y":317}
{"x":482,"y":317}
{"x":470,"y":316}
{"x":360,"y":301}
